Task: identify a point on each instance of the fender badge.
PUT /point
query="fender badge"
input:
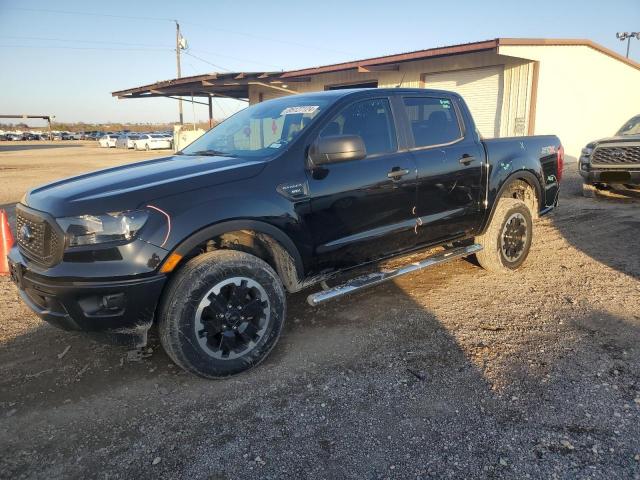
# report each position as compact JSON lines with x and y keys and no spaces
{"x":293,"y":191}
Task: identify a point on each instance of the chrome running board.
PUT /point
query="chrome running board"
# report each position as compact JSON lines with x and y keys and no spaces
{"x":376,"y":278}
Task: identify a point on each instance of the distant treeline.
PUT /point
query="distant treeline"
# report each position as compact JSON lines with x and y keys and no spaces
{"x":101,"y":127}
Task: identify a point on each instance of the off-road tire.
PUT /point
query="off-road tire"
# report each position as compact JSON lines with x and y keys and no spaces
{"x":187,"y":289}
{"x":492,"y":256}
{"x":588,"y":190}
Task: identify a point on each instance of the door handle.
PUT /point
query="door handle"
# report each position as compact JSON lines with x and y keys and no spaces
{"x":466,"y":159}
{"x":396,"y":173}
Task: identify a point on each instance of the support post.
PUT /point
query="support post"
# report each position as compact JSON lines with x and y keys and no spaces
{"x":210,"y":111}
{"x":178,"y":66}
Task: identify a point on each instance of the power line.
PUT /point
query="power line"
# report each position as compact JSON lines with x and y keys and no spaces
{"x":278,"y":67}
{"x":104,"y":42}
{"x":90,"y":14}
{"x":76,"y":40}
{"x":205,"y":61}
{"x":163,"y":19}
{"x":260,"y":37}
{"x":65,"y":47}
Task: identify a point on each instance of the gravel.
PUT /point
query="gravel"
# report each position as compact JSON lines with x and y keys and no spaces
{"x":447,"y":373}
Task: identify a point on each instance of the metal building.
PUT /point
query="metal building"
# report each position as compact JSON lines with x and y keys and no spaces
{"x":576,"y":89}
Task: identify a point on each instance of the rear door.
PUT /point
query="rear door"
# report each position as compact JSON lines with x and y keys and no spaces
{"x":449,"y":162}
{"x":482,"y":91}
{"x":362,"y":209}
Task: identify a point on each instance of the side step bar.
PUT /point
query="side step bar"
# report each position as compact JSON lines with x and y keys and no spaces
{"x":376,"y":278}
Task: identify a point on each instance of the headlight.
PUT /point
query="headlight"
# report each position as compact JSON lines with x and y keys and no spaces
{"x":95,"y":229}
{"x":587,"y":151}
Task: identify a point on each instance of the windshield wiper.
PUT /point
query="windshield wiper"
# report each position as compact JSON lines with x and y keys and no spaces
{"x":213,"y":153}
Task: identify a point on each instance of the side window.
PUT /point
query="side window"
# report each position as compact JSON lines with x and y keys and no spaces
{"x":433,"y":120}
{"x":371,"y":119}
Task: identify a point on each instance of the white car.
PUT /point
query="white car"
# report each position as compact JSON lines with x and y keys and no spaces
{"x":126,"y":141}
{"x":108,"y":141}
{"x":153,"y":141}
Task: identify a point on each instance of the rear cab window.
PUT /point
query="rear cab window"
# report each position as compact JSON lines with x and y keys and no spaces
{"x":433,"y":120}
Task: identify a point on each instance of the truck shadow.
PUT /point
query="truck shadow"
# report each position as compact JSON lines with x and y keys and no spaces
{"x":369,"y":381}
{"x":446,"y":373}
{"x":605,"y":228}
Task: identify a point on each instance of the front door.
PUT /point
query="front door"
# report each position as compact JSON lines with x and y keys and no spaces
{"x":449,"y":163}
{"x":362,"y":210}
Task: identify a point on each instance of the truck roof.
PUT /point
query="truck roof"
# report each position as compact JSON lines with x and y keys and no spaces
{"x":344,"y":92}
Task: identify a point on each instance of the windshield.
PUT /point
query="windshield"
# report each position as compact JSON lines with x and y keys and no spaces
{"x":261,"y":130}
{"x":632,"y":127}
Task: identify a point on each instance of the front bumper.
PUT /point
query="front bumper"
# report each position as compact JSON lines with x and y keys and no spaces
{"x":609,"y":175}
{"x":118,"y":310}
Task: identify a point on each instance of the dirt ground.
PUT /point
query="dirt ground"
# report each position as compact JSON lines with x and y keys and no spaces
{"x":448,"y":373}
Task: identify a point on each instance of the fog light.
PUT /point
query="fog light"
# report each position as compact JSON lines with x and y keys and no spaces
{"x":114,"y":301}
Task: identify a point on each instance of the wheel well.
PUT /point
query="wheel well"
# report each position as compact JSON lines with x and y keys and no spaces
{"x":255,"y":243}
{"x":520,"y":189}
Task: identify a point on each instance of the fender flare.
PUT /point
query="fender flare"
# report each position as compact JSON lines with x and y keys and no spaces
{"x":529,"y":178}
{"x":188,"y":244}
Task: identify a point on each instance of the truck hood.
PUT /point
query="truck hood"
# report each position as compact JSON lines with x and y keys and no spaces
{"x":618,"y":139}
{"x":128,"y":186}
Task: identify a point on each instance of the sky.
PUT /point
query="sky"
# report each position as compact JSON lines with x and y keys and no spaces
{"x":64,"y":58}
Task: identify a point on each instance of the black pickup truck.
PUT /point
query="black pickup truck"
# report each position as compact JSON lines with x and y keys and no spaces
{"x":286,"y":194}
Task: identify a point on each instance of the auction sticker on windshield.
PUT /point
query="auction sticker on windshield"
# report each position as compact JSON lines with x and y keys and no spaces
{"x":302,"y":109}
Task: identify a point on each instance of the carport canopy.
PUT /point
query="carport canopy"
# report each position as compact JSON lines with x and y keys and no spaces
{"x":233,"y":85}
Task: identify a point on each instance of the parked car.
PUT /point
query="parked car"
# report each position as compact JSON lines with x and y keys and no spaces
{"x":613,"y":160}
{"x":15,"y":137}
{"x":127,"y":141}
{"x":153,"y":141}
{"x":61,"y":136}
{"x":282,"y":196}
{"x":32,"y":136}
{"x":121,"y":141}
{"x":108,"y":141}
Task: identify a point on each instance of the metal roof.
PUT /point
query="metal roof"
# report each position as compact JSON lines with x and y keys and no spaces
{"x":236,"y":84}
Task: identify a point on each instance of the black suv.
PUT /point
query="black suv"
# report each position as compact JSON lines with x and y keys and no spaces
{"x":286,"y":194}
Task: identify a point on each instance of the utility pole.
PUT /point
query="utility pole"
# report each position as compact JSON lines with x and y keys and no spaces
{"x":179,"y":46}
{"x":622,"y":36}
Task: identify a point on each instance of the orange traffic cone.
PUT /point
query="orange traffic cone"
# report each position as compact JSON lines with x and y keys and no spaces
{"x":6,"y":242}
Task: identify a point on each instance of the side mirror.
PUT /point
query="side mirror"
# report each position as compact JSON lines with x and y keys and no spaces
{"x":337,"y":148}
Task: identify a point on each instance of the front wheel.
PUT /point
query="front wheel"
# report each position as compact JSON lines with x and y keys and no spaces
{"x":507,"y":240}
{"x":222,"y":313}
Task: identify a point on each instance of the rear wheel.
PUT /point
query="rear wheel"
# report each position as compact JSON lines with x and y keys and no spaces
{"x":507,"y":240}
{"x":222,"y":313}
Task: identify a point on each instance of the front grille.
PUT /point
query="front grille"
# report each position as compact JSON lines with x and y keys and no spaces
{"x":37,"y":238}
{"x":619,"y":155}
